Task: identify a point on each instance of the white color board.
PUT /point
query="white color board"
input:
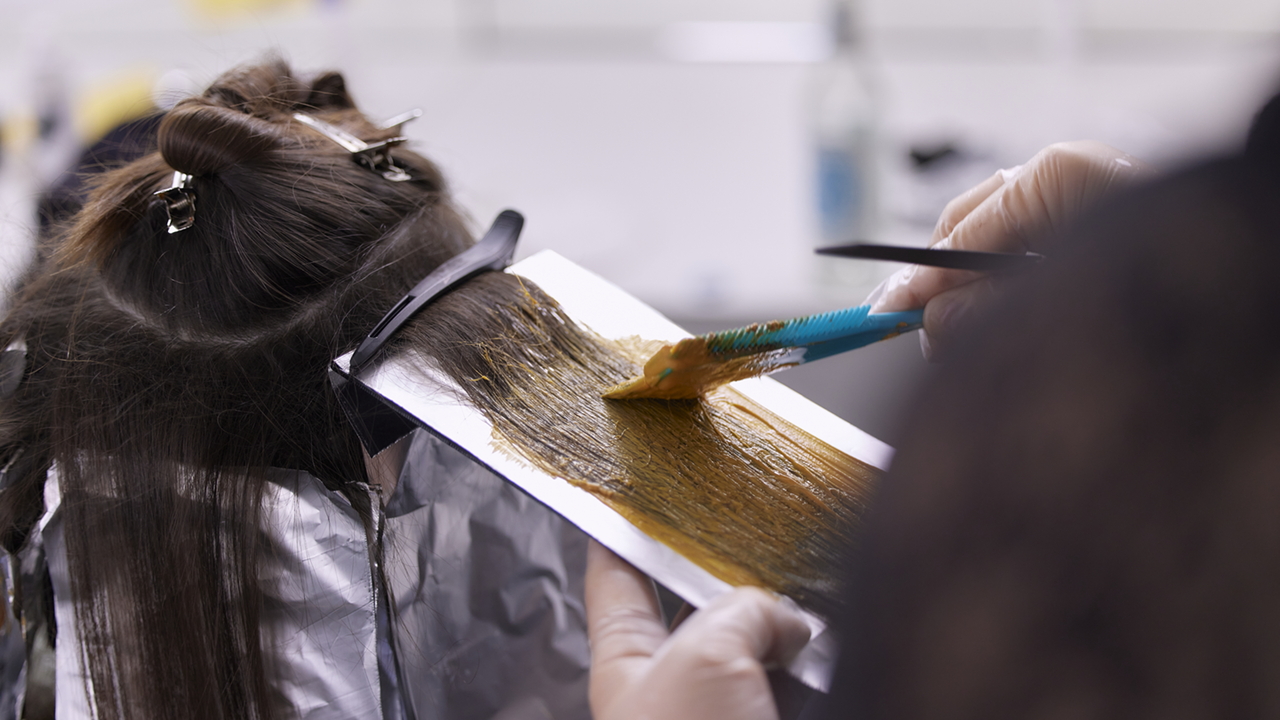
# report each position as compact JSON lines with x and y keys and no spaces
{"x":604,"y":308}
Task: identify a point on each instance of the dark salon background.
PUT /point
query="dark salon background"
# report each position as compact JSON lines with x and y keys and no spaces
{"x":691,"y":151}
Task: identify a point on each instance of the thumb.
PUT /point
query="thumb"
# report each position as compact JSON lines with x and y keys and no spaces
{"x":624,"y":623}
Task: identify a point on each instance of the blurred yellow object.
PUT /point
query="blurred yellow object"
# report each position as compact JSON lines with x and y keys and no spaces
{"x":17,"y":132}
{"x":230,"y":9}
{"x":105,"y":105}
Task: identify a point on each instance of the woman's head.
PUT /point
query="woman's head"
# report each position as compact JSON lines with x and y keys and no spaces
{"x":165,"y":369}
{"x":296,"y":250}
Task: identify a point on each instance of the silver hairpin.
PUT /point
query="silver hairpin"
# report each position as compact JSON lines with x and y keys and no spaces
{"x":375,"y":156}
{"x":402,"y":118}
{"x":180,"y":203}
{"x":13,"y":364}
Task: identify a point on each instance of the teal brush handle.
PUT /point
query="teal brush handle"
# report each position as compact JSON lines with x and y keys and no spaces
{"x":881,"y":326}
{"x":823,"y":334}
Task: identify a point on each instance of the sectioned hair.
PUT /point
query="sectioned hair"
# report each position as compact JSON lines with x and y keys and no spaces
{"x":164,"y":372}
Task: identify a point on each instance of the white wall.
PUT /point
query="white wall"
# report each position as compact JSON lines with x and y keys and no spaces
{"x":691,"y":184}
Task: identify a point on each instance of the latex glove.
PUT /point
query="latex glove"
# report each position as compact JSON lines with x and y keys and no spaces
{"x":712,"y":666}
{"x":1017,"y":210}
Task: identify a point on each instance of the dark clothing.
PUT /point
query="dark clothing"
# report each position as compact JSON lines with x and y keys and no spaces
{"x":1082,"y":521}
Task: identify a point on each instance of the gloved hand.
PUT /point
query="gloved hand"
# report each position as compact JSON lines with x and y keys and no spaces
{"x":1015,"y":210}
{"x":712,"y":666}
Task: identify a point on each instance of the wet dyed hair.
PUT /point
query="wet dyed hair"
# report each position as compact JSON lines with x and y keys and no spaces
{"x":164,"y":371}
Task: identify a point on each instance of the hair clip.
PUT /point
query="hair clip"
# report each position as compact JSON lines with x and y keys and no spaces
{"x":400,"y":119}
{"x":375,"y":156}
{"x":180,"y":202}
{"x":13,"y":365}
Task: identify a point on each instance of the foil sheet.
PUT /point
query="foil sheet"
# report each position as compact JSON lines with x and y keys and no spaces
{"x":481,"y":616}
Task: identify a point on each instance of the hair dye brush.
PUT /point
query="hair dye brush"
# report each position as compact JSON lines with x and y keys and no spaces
{"x":697,"y":365}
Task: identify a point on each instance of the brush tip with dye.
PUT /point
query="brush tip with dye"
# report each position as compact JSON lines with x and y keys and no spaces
{"x":695,"y":366}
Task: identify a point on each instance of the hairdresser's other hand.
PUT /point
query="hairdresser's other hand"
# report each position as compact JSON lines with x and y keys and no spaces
{"x":1014,"y":211}
{"x":712,"y":666}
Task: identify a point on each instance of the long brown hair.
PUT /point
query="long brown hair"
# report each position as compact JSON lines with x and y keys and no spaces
{"x":164,"y":371}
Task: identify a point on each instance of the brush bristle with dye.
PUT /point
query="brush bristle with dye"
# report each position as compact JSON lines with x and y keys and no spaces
{"x":692,"y":368}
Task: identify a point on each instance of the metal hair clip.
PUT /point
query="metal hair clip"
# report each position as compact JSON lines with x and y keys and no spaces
{"x":375,"y":156}
{"x":13,"y":365}
{"x":400,"y":119}
{"x":180,"y":203}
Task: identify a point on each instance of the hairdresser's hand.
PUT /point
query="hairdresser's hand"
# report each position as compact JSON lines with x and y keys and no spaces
{"x":711,"y":667}
{"x":1014,"y":211}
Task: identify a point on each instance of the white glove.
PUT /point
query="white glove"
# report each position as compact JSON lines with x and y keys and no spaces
{"x":712,"y":666}
{"x":1017,"y":210}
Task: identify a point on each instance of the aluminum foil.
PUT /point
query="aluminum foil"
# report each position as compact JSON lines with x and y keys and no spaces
{"x":487,"y":590}
{"x":481,"y":616}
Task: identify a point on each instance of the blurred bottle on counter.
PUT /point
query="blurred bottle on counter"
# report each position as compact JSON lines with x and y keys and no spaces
{"x":845,"y":134}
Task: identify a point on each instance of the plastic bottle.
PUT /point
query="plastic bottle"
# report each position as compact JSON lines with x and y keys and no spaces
{"x":846,"y":145}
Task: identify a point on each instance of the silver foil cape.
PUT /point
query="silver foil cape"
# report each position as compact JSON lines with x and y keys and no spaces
{"x":488,"y":593}
{"x":485,"y":620}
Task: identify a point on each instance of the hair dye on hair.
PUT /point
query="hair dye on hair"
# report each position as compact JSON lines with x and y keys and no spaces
{"x":741,"y":492}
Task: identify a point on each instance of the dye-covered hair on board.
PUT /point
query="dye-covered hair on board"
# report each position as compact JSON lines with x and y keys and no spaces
{"x":741,"y":492}
{"x":165,"y":371}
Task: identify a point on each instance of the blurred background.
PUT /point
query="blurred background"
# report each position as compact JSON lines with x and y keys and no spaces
{"x":691,"y":151}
